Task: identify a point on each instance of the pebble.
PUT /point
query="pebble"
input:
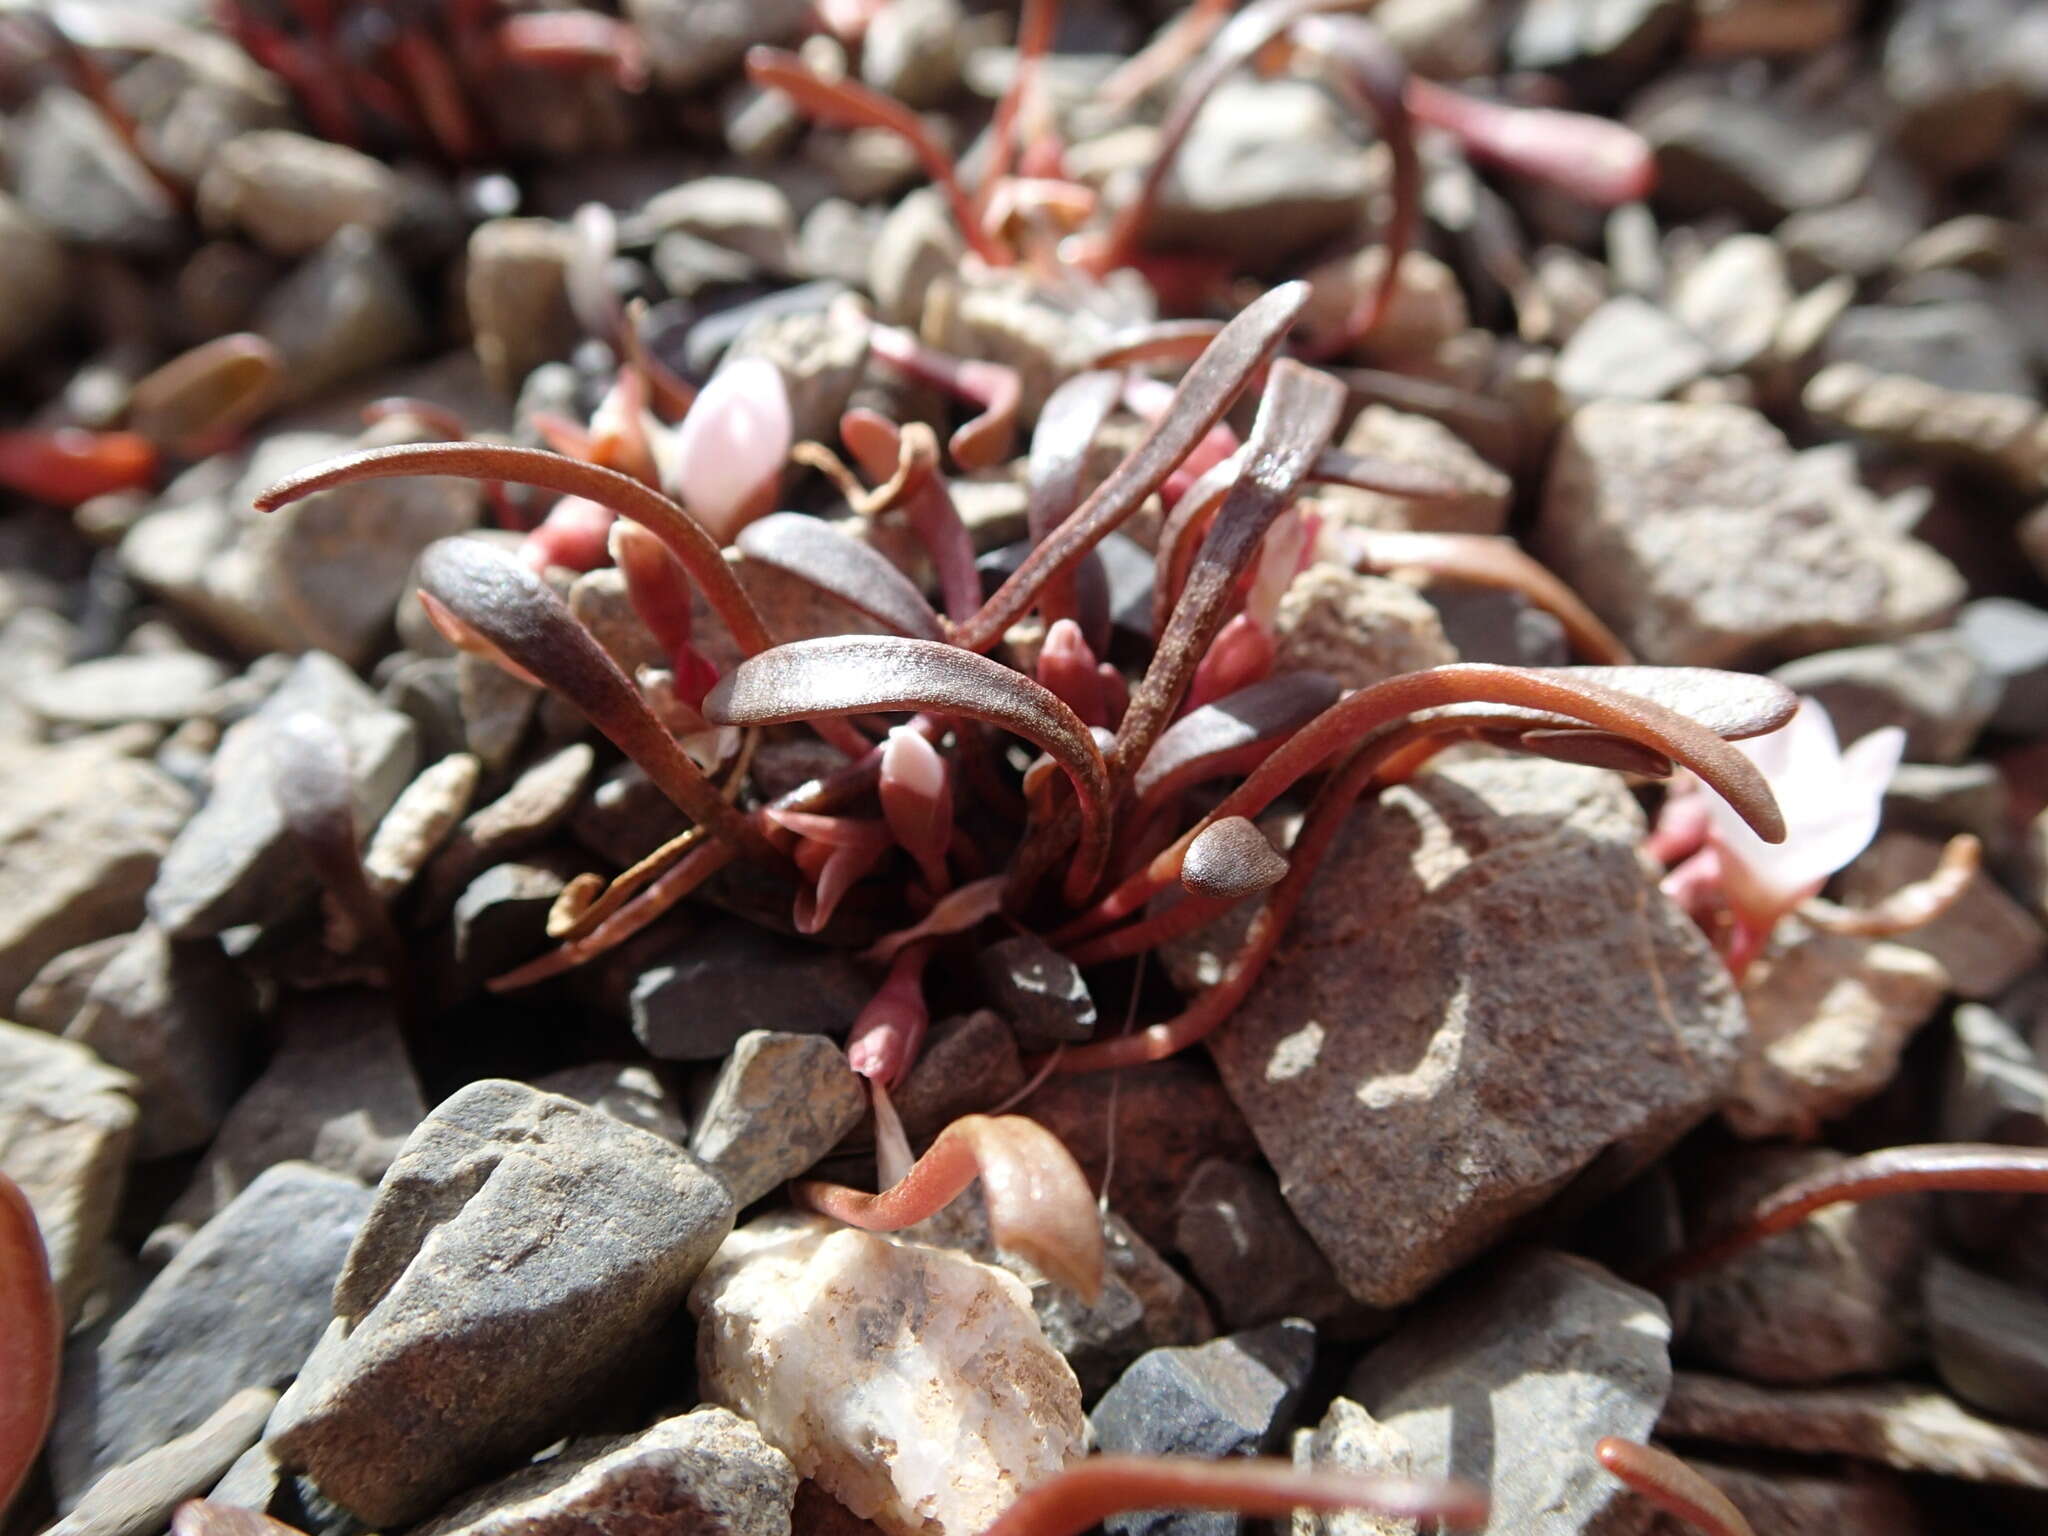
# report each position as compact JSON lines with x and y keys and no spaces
{"x":291,"y":194}
{"x":836,"y":241}
{"x":1718,"y":152}
{"x":1860,"y":238}
{"x":623,"y":1091}
{"x":1990,"y":1341}
{"x":173,"y":1015}
{"x":706,"y":1473}
{"x":1454,"y":910}
{"x":1252,"y":1255}
{"x":496,"y":709}
{"x":1356,"y":628}
{"x":67,"y":1122}
{"x":820,"y":354}
{"x":533,"y":806}
{"x":1829,"y":1016}
{"x":1933,"y":686}
{"x":35,"y":280}
{"x":423,"y":817}
{"x":1559,"y":1352}
{"x":916,"y":245}
{"x":969,"y":1064}
{"x":1945,"y":68}
{"x":1963,"y":346}
{"x":1994,"y":1087}
{"x":1003,"y":319}
{"x":522,"y":1253}
{"x":1838,"y":1295}
{"x":234,"y":862}
{"x":240,"y":1306}
{"x":339,"y":1092}
{"x":82,"y":832}
{"x":1985,"y":942}
{"x":163,"y":689}
{"x":1864,"y":1499}
{"x":53,"y":998}
{"x":601,"y":604}
{"x":1351,"y":1440}
{"x":1038,"y":991}
{"x":1629,"y":349}
{"x":740,"y":213}
{"x":1613,"y":41}
{"x":913,"y":51}
{"x":77,"y":179}
{"x":1735,"y":299}
{"x":1805,"y":558}
{"x":779,"y":1103}
{"x":1480,"y":504}
{"x":2009,"y":640}
{"x":1426,"y":310}
{"x":693,"y":42}
{"x":624,"y":816}
{"x":347,"y":310}
{"x":518,"y":306}
{"x":728,"y":978}
{"x":913,"y":1384}
{"x":137,"y":1497}
{"x":1491,"y":624}
{"x":1898,"y":1424}
{"x":2007,"y":434}
{"x":1232,"y":1396}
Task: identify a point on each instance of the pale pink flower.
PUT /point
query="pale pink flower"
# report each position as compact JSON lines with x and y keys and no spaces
{"x":725,"y":460}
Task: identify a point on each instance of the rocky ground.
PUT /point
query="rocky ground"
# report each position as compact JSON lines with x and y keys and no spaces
{"x":342,"y":1232}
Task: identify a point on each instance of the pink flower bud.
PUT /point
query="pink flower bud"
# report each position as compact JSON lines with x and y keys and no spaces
{"x":890,"y":1030}
{"x":1241,"y":656}
{"x":573,"y":534}
{"x":1066,"y":668}
{"x":917,"y":801}
{"x":730,"y":449}
{"x":656,"y":586}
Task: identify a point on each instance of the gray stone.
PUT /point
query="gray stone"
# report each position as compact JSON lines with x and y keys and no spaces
{"x":969,"y":1063}
{"x":496,"y":710}
{"x":1618,"y":38}
{"x":1761,"y":159}
{"x":779,"y":1104}
{"x":1866,"y":1500}
{"x":913,"y":51}
{"x":1479,"y":506}
{"x":425,"y":814}
{"x":163,"y":689}
{"x":1351,"y":1440}
{"x":820,"y":354}
{"x":916,"y":245}
{"x":52,"y":999}
{"x":77,"y":179}
{"x":1251,"y":1254}
{"x":1990,"y":1341}
{"x":1492,"y":624}
{"x":346,"y":310}
{"x":521,"y":1254}
{"x":173,"y":1015}
{"x":1946,"y":69}
{"x":339,"y":1093}
{"x":1393,"y":1145}
{"x":1000,"y":317}
{"x":1038,"y":990}
{"x":1232,"y":1396}
{"x":1899,"y":1424}
{"x":1359,"y":629}
{"x":602,"y":605}
{"x":1735,"y":299}
{"x":519,"y":314}
{"x":66,"y":1123}
{"x":1995,"y":1088}
{"x":1942,"y":799}
{"x":730,"y":977}
{"x":1804,"y":557}
{"x":1628,"y":349}
{"x":234,"y":862}
{"x":1961,"y":346}
{"x":82,"y":831}
{"x":623,"y":1091}
{"x":137,"y":1497}
{"x":705,"y":1473}
{"x":740,"y":213}
{"x":693,"y":42}
{"x":500,"y":919}
{"x":1510,"y":1378}
{"x":1836,"y":1296}
{"x":624,"y":817}
{"x":240,"y":1306}
{"x":1860,"y":237}
{"x":2009,"y":640}
{"x":836,"y":240}
{"x":1985,"y":942}
{"x":1932,"y":686}
{"x":291,"y":194}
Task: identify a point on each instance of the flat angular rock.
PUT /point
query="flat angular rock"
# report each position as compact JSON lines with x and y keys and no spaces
{"x":625,"y":1092}
{"x":1990,"y":1342}
{"x":1358,"y":629}
{"x":707,"y":1473}
{"x":1232,"y":1396}
{"x":347,"y":310}
{"x":67,"y":1120}
{"x":1038,"y":990}
{"x":1454,"y":915}
{"x":424,"y":816}
{"x":137,"y":1497}
{"x":1804,"y":558}
{"x":234,"y":862}
{"x":517,"y":300}
{"x":77,"y":178}
{"x":913,"y":1384}
{"x":1735,"y":299}
{"x":1836,"y":1296}
{"x":969,"y":1063}
{"x":82,"y":832}
{"x":1559,"y":1352}
{"x":1962,"y":346}
{"x":1629,"y":349}
{"x":1932,"y":686}
{"x":780,"y":1103}
{"x":1985,"y":942}
{"x":290,"y":193}
{"x":730,"y":977}
{"x":1894,"y":1423}
{"x":1764,"y":159}
{"x":1251,"y":1254}
{"x":164,"y":689}
{"x":1351,"y":1440}
{"x":2010,"y":641}
{"x":240,"y":1306}
{"x":522,"y":1251}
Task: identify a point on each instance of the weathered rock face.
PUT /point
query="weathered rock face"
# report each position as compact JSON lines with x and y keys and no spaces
{"x":521,"y":1253}
{"x":1352,"y":1440}
{"x":1443,"y":1039}
{"x":1700,"y":535}
{"x":1509,"y":1381}
{"x":779,"y":1104}
{"x":911,"y":1383}
{"x":1358,"y":629}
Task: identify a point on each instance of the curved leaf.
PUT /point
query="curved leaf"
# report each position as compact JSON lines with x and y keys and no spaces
{"x":855,"y":573}
{"x":1213,"y":741}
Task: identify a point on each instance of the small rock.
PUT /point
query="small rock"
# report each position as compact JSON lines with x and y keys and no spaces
{"x":1038,"y":990}
{"x":1230,"y":1397}
{"x":53,"y":998}
{"x":35,"y":285}
{"x":741,"y":213}
{"x":1805,"y":559}
{"x":1480,"y":506}
{"x":913,"y":51}
{"x":1735,"y":298}
{"x":518,"y":307}
{"x":1559,"y":1351}
{"x":240,"y":1306}
{"x":1629,"y":349}
{"x":1894,"y":1423}
{"x":692,"y":42}
{"x":1002,"y":318}
{"x":339,"y":1093}
{"x":137,"y":1497}
{"x":624,"y":817}
{"x":1456,"y":905}
{"x":819,"y":354}
{"x":779,"y":1104}
{"x":2009,"y":640}
{"x":1426,"y":310}
{"x":500,"y":917}
{"x":1990,"y":1341}
{"x":602,"y":605}
{"x":345,"y":311}
{"x":1829,"y":1015}
{"x":836,"y":240}
{"x":1961,"y":346}
{"x":521,"y":1254}
{"x":1995,"y":1088}
{"x":1932,"y":686}
{"x":1985,"y":942}
{"x":1351,"y":1440}
{"x":66,"y":1124}
{"x":291,"y":194}
{"x":77,"y":179}
{"x":708,"y":338}
{"x":729,"y":978}
{"x":1863,"y":1499}
{"x":536,"y":803}
{"x":706,"y":1473}
{"x":82,"y":832}
{"x":426,"y":812}
{"x":1860,"y":238}
{"x":916,"y":245}
{"x":623,"y":1091}
{"x":969,"y":1064}
{"x":162,"y":689}
{"x":913,"y":1384}
{"x":1838,"y":1295}
{"x":1492,"y":624}
{"x":1358,"y":629}
{"x":234,"y":862}
{"x":1945,"y":68}
{"x":173,"y":1016}
{"x":1761,"y":159}
{"x":2007,"y":434}
{"x":1251,"y":1254}
{"x":1615,"y":41}
{"x":496,"y":709}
